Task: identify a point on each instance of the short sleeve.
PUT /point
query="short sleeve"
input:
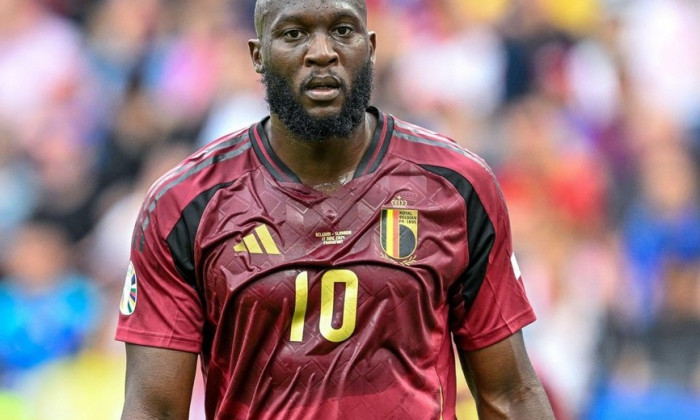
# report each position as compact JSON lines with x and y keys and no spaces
{"x":159,"y":306}
{"x":488,"y":303}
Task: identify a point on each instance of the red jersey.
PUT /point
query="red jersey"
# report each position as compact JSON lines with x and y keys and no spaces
{"x":306,"y":305}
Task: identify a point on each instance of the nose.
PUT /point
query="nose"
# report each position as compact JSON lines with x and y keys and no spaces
{"x":321,"y":51}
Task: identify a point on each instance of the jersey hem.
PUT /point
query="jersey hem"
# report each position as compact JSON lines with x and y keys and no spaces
{"x":143,"y":338}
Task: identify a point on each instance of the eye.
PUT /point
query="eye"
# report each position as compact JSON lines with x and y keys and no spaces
{"x":344,"y":30}
{"x":293,"y":34}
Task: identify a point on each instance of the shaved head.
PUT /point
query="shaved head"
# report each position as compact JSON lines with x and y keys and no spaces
{"x":264,"y":7}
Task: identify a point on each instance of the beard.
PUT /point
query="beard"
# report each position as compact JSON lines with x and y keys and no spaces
{"x":287,"y":106}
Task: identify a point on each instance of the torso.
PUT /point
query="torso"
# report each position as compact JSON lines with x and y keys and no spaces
{"x":304,"y":297}
{"x":341,"y":305}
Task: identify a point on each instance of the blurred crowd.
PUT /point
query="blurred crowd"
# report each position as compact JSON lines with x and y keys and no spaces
{"x":587,"y":110}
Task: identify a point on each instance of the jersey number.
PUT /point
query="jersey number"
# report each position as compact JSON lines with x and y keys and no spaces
{"x":328,"y":281}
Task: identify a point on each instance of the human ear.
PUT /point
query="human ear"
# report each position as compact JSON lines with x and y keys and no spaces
{"x":256,"y":55}
{"x":372,"y":45}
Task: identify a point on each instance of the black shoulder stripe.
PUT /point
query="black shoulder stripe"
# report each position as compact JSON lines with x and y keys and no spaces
{"x":181,"y":238}
{"x":481,"y":234}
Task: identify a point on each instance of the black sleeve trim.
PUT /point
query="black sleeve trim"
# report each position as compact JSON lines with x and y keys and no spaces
{"x":181,"y":238}
{"x":481,"y":234}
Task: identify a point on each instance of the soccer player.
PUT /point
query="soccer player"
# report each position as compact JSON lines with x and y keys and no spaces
{"x":324,"y":261}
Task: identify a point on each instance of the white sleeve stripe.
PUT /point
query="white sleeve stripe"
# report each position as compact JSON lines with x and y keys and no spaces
{"x":516,"y":268}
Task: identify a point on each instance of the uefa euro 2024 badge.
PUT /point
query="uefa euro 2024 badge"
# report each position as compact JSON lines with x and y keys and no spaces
{"x":129,"y":294}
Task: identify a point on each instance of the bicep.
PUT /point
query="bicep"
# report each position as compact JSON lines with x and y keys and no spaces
{"x":503,"y":380}
{"x":158,"y":383}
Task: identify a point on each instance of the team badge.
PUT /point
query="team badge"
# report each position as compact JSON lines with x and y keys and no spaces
{"x":399,"y":230}
{"x":129,"y":294}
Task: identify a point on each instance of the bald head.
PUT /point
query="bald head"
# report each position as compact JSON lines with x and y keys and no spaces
{"x":263,"y":9}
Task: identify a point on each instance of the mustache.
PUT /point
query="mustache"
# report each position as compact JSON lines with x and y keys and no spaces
{"x":283,"y":99}
{"x":304,"y":86}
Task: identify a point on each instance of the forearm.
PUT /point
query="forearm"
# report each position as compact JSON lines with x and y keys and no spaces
{"x":527,"y":402}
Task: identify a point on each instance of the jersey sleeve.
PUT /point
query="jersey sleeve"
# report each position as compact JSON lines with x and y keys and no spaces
{"x":159,"y":306}
{"x":488,"y":303}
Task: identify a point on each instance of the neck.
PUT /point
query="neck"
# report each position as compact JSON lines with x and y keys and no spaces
{"x":324,"y":165}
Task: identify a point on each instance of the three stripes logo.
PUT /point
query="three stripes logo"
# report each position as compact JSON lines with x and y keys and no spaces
{"x":258,"y":242}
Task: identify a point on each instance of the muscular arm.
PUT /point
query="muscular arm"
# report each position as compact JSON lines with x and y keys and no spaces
{"x":158,"y":383}
{"x":504,"y":383}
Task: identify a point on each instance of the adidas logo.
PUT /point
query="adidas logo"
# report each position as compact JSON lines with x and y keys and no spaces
{"x":258,"y":242}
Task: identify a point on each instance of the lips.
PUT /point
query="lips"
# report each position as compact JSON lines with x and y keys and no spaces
{"x":323,"y":89}
{"x":327,"y":82}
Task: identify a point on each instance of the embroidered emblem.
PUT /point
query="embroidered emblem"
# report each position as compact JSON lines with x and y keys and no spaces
{"x":399,"y":230}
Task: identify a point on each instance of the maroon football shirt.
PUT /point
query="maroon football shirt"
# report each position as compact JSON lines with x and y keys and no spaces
{"x":305,"y":305}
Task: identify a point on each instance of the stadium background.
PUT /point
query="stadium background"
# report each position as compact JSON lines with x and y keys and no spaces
{"x":588,"y":111}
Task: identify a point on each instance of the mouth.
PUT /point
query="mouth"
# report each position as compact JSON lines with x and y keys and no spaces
{"x":323,"y":88}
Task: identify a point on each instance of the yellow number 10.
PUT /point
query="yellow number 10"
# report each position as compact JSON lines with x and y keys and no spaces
{"x":328,"y":281}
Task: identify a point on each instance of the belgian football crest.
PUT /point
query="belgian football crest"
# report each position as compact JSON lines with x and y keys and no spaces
{"x":398,"y":232}
{"x":128,"y":301}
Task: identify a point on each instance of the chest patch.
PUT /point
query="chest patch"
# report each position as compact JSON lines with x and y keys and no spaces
{"x":398,"y":232}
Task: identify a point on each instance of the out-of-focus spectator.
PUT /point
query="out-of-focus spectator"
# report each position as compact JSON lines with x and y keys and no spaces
{"x":64,"y":170}
{"x":664,"y":221}
{"x":652,"y":331}
{"x":182,"y":72}
{"x":47,"y":307}
{"x":454,"y":63}
{"x":137,"y":128}
{"x":73,"y":9}
{"x":119,"y":36}
{"x":659,"y":40}
{"x":239,"y":99}
{"x":18,"y":191}
{"x":42,"y":66}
